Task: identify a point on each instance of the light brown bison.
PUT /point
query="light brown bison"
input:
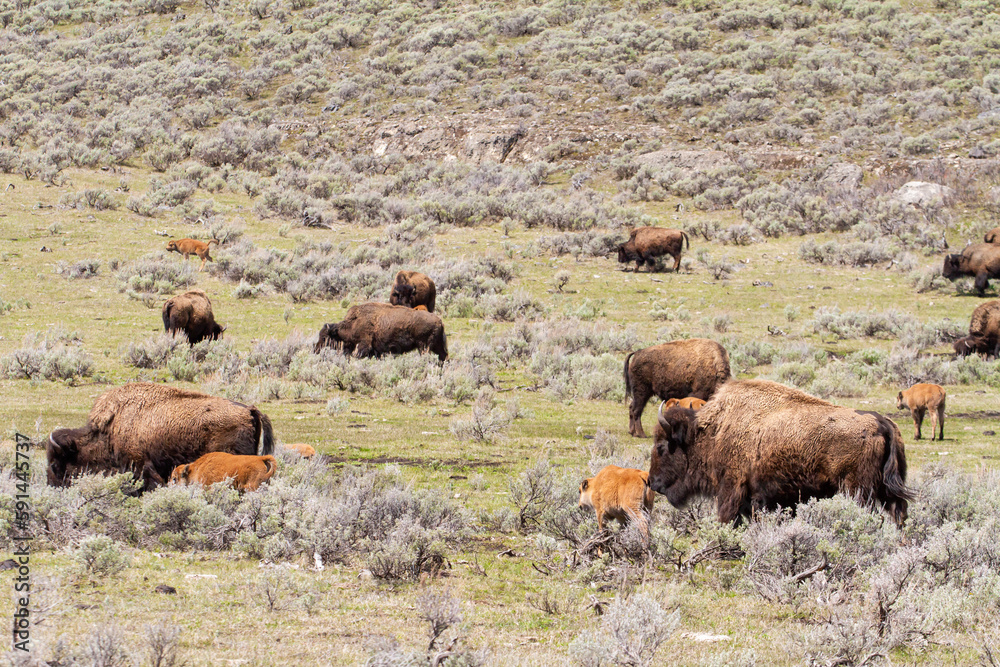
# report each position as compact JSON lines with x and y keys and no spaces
{"x":413,"y":289}
{"x":694,"y":367}
{"x":188,"y":247}
{"x":375,"y":329}
{"x":302,"y":449}
{"x":150,"y":429}
{"x":191,"y":313}
{"x":921,"y":398}
{"x":690,"y":402}
{"x":992,"y":236}
{"x":622,"y":494}
{"x":981,"y":260}
{"x":760,"y":445}
{"x":645,"y":244}
{"x":245,"y":473}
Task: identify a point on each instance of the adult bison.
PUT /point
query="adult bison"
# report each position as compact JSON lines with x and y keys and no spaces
{"x":191,"y":313}
{"x":984,"y":331}
{"x":150,"y":428}
{"x":981,"y":260}
{"x":694,"y":367}
{"x":758,"y":445}
{"x":413,"y":289}
{"x":645,"y":244}
{"x":375,"y":329}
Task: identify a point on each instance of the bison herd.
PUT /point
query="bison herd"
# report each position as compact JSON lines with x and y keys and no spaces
{"x":752,"y":445}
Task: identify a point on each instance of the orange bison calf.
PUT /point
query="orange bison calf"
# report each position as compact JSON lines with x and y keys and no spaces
{"x":645,"y":244}
{"x":691,"y":403}
{"x":622,"y":494}
{"x":188,"y":247}
{"x":921,"y":398}
{"x":303,"y":450}
{"x":760,"y":445}
{"x":246,"y":473}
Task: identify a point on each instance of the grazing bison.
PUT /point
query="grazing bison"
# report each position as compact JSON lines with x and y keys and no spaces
{"x":984,"y":331}
{"x":760,"y":445}
{"x":303,"y":450}
{"x":695,"y":367}
{"x":188,"y":247}
{"x":191,"y":313}
{"x":245,"y":473}
{"x":992,"y":236}
{"x":919,"y":399}
{"x":150,"y":429}
{"x":374,"y":329}
{"x":413,"y":289}
{"x":617,"y":493}
{"x":974,"y":345}
{"x":981,"y":260}
{"x":690,"y":402}
{"x":645,"y":244}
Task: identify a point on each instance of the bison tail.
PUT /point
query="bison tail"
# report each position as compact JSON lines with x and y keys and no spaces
{"x":686,"y":239}
{"x":271,"y":465}
{"x":894,"y":470}
{"x":262,"y":427}
{"x":166,"y":316}
{"x":628,"y":377}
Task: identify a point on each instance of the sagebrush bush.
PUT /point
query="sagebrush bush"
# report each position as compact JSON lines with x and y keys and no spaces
{"x":100,"y":555}
{"x":50,"y":356}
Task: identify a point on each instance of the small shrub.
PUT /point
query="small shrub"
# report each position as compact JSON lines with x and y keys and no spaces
{"x":631,"y":633}
{"x":100,"y":555}
{"x":87,"y":268}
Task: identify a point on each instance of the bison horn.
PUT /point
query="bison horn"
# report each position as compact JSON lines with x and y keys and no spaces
{"x":659,"y":411}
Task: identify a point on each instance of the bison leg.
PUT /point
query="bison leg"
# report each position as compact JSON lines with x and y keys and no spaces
{"x":677,"y":262}
{"x":918,"y":421}
{"x":640,"y":260}
{"x":982,"y":282}
{"x":151,"y":478}
{"x":640,"y":396}
{"x":732,"y":502}
{"x":940,"y":421}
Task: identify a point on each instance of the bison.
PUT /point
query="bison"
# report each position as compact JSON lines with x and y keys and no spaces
{"x":645,"y":244}
{"x":689,"y":402}
{"x":919,"y":399}
{"x":974,"y":345}
{"x":992,"y":236}
{"x":188,"y":247}
{"x":245,"y":473}
{"x":149,"y":429}
{"x":695,"y":367}
{"x":191,"y":313}
{"x":981,"y":260}
{"x":302,"y":449}
{"x":617,"y":493}
{"x":761,"y":445}
{"x":375,"y":329}
{"x":413,"y":289}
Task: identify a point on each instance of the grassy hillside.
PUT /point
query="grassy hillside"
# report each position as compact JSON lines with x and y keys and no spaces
{"x":505,"y":150}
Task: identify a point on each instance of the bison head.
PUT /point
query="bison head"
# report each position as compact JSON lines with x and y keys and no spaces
{"x":172,"y":246}
{"x":216,"y":331}
{"x":402,"y":295}
{"x":668,"y":465}
{"x":626,"y":252}
{"x":585,"y":500}
{"x":329,"y":336}
{"x":972,"y":345}
{"x":62,"y":454}
{"x":180,"y":474}
{"x":952,"y":266}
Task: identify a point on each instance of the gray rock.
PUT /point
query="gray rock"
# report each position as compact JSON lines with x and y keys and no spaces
{"x":843,"y":174}
{"x":920,"y":193}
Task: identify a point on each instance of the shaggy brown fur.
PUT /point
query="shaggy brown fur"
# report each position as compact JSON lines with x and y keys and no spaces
{"x":191,"y":313}
{"x":645,"y":244}
{"x":680,"y":368}
{"x":992,"y":236}
{"x":188,"y":247}
{"x":981,"y":260}
{"x":919,"y":399}
{"x":413,"y":289}
{"x":150,"y":429}
{"x":622,"y":494}
{"x":375,"y":329}
{"x":303,"y":450}
{"x":974,"y":345}
{"x":244,"y":473}
{"x":760,"y":445}
{"x":690,"y":402}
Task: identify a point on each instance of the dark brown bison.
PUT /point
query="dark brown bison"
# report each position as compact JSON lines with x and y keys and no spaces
{"x":695,"y":367}
{"x":150,"y":429}
{"x":974,"y":345}
{"x":413,"y":289}
{"x":191,"y":313}
{"x":760,"y":445}
{"x":981,"y":260}
{"x":984,"y":331}
{"x":645,"y":244}
{"x":992,"y":236}
{"x":374,"y":329}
